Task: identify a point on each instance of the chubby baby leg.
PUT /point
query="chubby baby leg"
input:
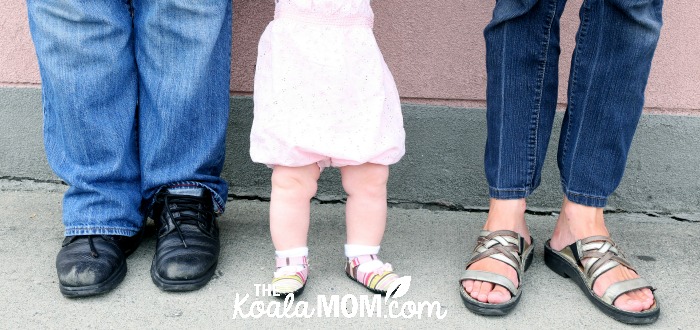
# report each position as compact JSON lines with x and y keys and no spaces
{"x":365,"y":214}
{"x":365,"y":211}
{"x":292,"y":190}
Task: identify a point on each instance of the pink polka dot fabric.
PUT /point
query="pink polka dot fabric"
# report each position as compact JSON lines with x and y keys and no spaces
{"x":323,"y":93}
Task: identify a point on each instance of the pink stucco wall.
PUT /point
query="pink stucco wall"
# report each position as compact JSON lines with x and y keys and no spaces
{"x":434,"y":48}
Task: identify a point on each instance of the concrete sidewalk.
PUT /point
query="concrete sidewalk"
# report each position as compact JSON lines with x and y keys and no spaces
{"x":430,"y":246}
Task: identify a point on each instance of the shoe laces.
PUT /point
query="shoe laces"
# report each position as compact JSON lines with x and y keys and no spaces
{"x":183,"y":209}
{"x":93,"y":250}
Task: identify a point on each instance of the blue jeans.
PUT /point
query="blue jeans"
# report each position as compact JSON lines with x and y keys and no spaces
{"x":615,"y":44}
{"x":135,"y":99}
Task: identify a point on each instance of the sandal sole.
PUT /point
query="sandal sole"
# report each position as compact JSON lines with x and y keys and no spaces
{"x":563,"y":267}
{"x":296,"y":293}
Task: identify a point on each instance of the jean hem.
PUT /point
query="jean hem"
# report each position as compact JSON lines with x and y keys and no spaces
{"x":511,"y":193}
{"x":584,"y":199}
{"x":219,"y":203}
{"x":117,"y":231}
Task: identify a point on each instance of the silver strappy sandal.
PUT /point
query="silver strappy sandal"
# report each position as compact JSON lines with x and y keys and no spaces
{"x":505,"y":246}
{"x":599,"y":255}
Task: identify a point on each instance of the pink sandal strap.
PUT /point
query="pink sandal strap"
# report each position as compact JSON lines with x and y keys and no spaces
{"x":356,"y":261}
{"x":289,"y":261}
{"x":287,"y":280}
{"x":378,"y":280}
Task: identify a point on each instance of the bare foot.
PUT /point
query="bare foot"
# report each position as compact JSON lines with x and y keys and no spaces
{"x":503,"y":215}
{"x":578,"y":222}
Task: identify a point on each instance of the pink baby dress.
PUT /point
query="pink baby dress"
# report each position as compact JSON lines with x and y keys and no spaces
{"x":323,"y":93}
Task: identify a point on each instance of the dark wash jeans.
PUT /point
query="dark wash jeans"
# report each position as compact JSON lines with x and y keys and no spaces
{"x":610,"y":67}
{"x":135,"y":99}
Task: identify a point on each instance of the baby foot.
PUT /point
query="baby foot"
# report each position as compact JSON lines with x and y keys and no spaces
{"x":369,"y":271}
{"x":290,"y":276}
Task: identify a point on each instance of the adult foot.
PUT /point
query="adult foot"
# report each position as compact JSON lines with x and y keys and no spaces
{"x":187,"y":249}
{"x":93,"y":264}
{"x":577,"y":222}
{"x":503,"y":215}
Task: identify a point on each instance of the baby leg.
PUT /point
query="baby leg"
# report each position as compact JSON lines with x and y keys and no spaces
{"x":365,"y":210}
{"x":292,"y":190}
{"x":365,"y":214}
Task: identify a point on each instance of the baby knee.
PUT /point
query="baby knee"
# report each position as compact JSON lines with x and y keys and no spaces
{"x":368,"y":181}
{"x":295,"y":181}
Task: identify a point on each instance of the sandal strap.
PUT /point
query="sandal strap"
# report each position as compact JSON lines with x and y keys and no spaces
{"x":290,"y":279}
{"x":378,"y":279}
{"x":503,"y":245}
{"x":597,"y":255}
{"x":494,"y":278}
{"x":289,"y":261}
{"x":617,"y":289}
{"x":356,"y":261}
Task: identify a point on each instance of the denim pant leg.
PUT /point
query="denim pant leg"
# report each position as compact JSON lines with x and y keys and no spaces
{"x":183,"y":51}
{"x":85,"y":52}
{"x":522,"y":55}
{"x":610,"y":67}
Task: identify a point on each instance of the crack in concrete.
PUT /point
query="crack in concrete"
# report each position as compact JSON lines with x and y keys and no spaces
{"x":34,"y":180}
{"x":677,"y":218}
{"x":408,"y":205}
{"x":443,"y":206}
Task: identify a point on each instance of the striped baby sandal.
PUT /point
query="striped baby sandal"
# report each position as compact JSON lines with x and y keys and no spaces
{"x":290,"y":276}
{"x":378,"y":280}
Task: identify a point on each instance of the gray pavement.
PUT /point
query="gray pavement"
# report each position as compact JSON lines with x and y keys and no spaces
{"x":430,"y":246}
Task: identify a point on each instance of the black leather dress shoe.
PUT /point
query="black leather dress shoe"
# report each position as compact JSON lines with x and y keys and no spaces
{"x":93,"y":264}
{"x":187,"y":250}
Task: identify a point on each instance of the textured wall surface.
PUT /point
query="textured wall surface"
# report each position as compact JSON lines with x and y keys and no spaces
{"x":443,"y":164}
{"x":434,"y":48}
{"x":436,"y":51}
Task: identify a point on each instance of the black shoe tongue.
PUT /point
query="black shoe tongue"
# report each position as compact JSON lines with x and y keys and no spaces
{"x":195,"y":192}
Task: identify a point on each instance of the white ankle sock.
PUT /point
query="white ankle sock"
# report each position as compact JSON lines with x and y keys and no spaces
{"x":354,"y":250}
{"x":295,"y":252}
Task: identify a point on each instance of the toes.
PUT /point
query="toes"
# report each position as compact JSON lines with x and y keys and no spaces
{"x":499,"y":295}
{"x":644,"y":297}
{"x":625,"y":302}
{"x":648,"y":298}
{"x":485,"y":290}
{"x":475,"y":289}
{"x":634,"y":301}
{"x":636,"y":295}
{"x":648,"y":294}
{"x":468,"y":285}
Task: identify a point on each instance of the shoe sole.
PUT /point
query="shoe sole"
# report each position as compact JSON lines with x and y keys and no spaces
{"x":565,"y":269}
{"x":296,"y":293}
{"x":486,"y":309}
{"x":95,"y":289}
{"x":181,"y":285}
